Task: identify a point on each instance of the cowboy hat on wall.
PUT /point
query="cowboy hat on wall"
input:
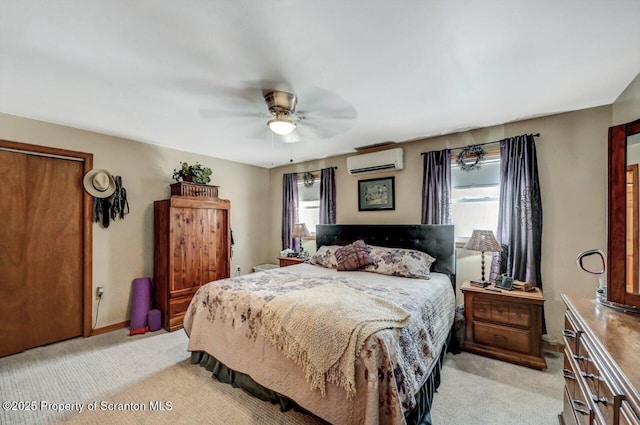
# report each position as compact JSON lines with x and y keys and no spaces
{"x":99,"y":183}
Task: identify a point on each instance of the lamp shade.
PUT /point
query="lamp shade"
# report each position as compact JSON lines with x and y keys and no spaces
{"x":281,"y":125}
{"x":300,"y":230}
{"x":484,"y":241}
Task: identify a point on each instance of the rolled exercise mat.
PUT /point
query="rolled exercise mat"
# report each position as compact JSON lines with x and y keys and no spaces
{"x":141,"y":302}
{"x":154,"y":320}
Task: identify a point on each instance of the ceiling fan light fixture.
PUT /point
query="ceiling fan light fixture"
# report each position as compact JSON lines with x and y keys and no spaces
{"x":281,"y":125}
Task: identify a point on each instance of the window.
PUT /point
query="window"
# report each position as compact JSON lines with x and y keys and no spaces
{"x":309,"y":203}
{"x":475,"y":198}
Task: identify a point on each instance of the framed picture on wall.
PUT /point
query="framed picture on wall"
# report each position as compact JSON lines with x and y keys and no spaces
{"x":376,"y":194}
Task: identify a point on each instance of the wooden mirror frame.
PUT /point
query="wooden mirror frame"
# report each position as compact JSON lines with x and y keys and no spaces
{"x":617,"y":215}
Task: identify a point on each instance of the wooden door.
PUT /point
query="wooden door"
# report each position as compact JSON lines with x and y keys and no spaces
{"x":13,"y":205}
{"x":41,"y":294}
{"x":200,"y":242}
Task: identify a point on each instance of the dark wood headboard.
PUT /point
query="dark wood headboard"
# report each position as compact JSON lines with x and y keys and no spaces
{"x":436,"y":240}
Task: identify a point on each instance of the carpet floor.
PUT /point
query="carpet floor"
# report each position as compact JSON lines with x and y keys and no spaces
{"x":89,"y":381}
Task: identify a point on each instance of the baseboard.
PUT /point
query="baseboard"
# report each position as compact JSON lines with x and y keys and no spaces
{"x":110,"y":328}
{"x":557,"y":347}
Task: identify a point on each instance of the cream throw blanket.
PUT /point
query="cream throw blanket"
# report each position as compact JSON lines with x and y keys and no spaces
{"x":324,"y":328}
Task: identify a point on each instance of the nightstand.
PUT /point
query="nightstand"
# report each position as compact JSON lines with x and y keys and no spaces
{"x":289,"y":261}
{"x":505,"y":325}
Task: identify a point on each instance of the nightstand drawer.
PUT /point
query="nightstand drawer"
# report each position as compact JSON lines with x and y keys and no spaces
{"x":499,"y":312}
{"x":502,"y":337}
{"x":289,"y":261}
{"x":519,"y":315}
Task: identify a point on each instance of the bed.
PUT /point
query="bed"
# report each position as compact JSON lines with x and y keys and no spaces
{"x":397,"y":370}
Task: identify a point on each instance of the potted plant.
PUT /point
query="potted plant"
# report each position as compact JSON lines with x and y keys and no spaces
{"x":196,"y":173}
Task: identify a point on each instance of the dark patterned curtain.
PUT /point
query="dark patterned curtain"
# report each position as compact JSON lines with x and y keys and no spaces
{"x":289,"y":210}
{"x":520,"y":214}
{"x":327,"y":196}
{"x":436,"y":187}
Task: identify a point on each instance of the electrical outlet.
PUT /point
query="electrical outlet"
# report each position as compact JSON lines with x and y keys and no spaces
{"x":99,"y":292}
{"x":238,"y":269}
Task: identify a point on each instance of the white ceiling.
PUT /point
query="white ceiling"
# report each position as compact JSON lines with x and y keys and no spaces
{"x":188,"y":74}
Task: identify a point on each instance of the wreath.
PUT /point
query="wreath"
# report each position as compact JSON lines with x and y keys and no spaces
{"x":308,"y":179}
{"x":471,"y":164}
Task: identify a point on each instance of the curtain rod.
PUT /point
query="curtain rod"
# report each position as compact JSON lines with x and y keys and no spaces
{"x":315,"y":171}
{"x":479,"y":144}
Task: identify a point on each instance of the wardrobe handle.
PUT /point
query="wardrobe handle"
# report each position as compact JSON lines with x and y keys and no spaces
{"x":568,"y":333}
{"x":580,"y":358}
{"x":568,"y":373}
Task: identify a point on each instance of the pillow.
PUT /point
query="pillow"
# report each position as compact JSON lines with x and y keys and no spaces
{"x":325,"y":256}
{"x":400,"y":262}
{"x":353,"y":256}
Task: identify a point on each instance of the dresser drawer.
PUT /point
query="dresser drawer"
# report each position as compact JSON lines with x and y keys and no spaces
{"x":568,"y":414}
{"x":604,"y":395}
{"x":580,"y":401}
{"x":502,"y":337}
{"x":177,"y":309}
{"x":570,"y":334}
{"x":179,"y":304}
{"x":569,"y":374}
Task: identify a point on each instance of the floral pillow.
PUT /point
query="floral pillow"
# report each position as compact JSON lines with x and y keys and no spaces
{"x":326,"y":257}
{"x":353,"y":256}
{"x":400,"y":262}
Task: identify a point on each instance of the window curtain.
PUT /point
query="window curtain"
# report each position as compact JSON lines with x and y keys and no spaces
{"x":520,"y":214}
{"x":327,"y":196}
{"x":436,"y":187}
{"x":289,"y":210}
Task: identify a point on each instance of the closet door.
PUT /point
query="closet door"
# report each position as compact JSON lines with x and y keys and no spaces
{"x":41,"y":250}
{"x":53,"y":250}
{"x":13,"y":207}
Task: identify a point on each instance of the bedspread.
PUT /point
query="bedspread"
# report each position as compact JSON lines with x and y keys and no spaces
{"x":224,"y":319}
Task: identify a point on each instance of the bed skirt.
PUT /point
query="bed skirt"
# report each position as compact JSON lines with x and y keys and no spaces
{"x":420,"y":415}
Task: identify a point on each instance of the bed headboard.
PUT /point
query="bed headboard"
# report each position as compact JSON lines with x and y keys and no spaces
{"x":435,"y":239}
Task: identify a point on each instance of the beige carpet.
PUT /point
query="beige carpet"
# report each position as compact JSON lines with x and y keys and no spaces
{"x":152,"y":372}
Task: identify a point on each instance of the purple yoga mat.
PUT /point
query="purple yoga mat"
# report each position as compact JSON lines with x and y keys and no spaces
{"x":141,"y":302}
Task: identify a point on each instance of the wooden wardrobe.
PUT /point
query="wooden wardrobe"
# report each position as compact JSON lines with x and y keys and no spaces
{"x":192,"y":246}
{"x":45,"y":246}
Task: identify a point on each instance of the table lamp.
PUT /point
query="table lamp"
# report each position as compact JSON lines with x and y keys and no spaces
{"x":300,"y":231}
{"x":483,"y":240}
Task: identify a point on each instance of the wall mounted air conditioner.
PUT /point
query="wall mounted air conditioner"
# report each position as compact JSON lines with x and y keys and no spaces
{"x":388,"y":160}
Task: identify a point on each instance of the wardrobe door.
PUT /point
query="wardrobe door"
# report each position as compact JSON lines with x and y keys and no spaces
{"x":13,"y":207}
{"x":54,"y":250}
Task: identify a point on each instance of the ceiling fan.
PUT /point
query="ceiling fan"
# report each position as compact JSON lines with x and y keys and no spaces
{"x":282,"y":106}
{"x":312,"y":113}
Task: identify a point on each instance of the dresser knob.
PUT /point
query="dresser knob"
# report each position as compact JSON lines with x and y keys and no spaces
{"x":588,"y":375}
{"x":602,"y":400}
{"x":576,"y":403}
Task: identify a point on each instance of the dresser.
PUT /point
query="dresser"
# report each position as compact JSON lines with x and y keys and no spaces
{"x":601,"y":365}
{"x":191,"y":247}
{"x":504,"y":325}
